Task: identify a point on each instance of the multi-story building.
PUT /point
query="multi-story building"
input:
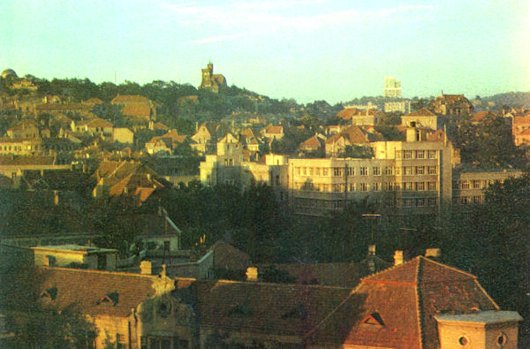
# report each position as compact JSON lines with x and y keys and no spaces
{"x":392,"y":87}
{"x":414,"y":175}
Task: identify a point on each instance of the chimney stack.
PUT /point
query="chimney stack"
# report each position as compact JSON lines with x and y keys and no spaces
{"x":252,"y":274}
{"x":371,"y":250}
{"x":146,"y":267}
{"x":433,"y":253}
{"x":399,"y":257}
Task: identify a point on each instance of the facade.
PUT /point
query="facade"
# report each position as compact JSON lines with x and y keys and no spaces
{"x":392,"y":87}
{"x":520,"y":130}
{"x":123,"y":135}
{"x":164,"y":144}
{"x":211,"y":81}
{"x":397,"y":107}
{"x":273,"y":132}
{"x":414,"y":176}
{"x":469,"y":185}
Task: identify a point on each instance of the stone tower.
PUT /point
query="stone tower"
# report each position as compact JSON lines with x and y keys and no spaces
{"x":211,"y":81}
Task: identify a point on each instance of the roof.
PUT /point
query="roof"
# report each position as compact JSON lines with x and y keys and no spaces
{"x":88,"y":289}
{"x":521,"y":120}
{"x":348,"y":113}
{"x":354,"y":134}
{"x":228,"y":257}
{"x":134,"y":105}
{"x":331,"y":274}
{"x":482,"y":317}
{"x":396,"y":307}
{"x":422,"y":112}
{"x":274,"y":129}
{"x":481,"y":115}
{"x":26,"y":160}
{"x":312,"y":142}
{"x":265,"y":308}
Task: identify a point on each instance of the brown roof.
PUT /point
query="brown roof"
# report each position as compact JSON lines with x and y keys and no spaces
{"x":396,"y":307}
{"x":134,"y":105}
{"x":26,"y":160}
{"x":521,"y":120}
{"x":265,"y":308}
{"x":481,"y":115}
{"x":354,"y":134}
{"x":312,"y":143}
{"x":228,"y":257}
{"x":421,"y":112}
{"x":96,"y":292}
{"x":331,"y":274}
{"x":274,"y":129}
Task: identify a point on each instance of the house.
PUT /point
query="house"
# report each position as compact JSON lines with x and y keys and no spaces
{"x":203,"y":138}
{"x":273,"y":132}
{"x":75,"y":255}
{"x":368,"y":116}
{"x":417,"y":304}
{"x":126,"y":179}
{"x":93,"y":127}
{"x":165,"y":143}
{"x":25,"y":129}
{"x":123,"y":135}
{"x":353,"y":135}
{"x":313,"y":144}
{"x":136,"y":107}
{"x":451,"y":105}
{"x":249,"y":140}
{"x":421,"y":118}
{"x":520,"y":129}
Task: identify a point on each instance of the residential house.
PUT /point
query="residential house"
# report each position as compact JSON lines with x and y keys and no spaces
{"x":451,"y":105}
{"x":313,"y":144}
{"x":422,"y":118}
{"x":89,"y":257}
{"x":360,"y":117}
{"x":520,"y":129}
{"x":352,"y":135}
{"x":93,"y":127}
{"x":203,"y":138}
{"x":165,"y":144}
{"x":273,"y":132}
{"x":26,"y":129}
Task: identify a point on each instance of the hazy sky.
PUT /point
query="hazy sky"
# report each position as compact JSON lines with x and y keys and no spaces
{"x":302,"y":49}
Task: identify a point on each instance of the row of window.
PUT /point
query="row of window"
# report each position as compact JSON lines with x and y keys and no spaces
{"x":468,"y":200}
{"x":365,"y":171}
{"x":365,"y":187}
{"x":472,"y":184}
{"x":339,"y":204}
{"x":417,"y":154}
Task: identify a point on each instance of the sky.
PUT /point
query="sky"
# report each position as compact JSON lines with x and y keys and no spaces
{"x":308,"y":50}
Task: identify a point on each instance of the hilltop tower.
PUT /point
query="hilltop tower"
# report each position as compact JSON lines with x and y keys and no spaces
{"x":211,"y":81}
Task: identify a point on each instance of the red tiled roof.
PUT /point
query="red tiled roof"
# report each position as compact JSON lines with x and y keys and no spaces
{"x":228,"y":257}
{"x":274,"y":129}
{"x":87,"y":288}
{"x":405,"y":298}
{"x":312,"y":143}
{"x":521,"y":120}
{"x":481,"y":115}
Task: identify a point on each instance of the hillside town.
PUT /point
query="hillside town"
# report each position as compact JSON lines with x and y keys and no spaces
{"x":165,"y":215}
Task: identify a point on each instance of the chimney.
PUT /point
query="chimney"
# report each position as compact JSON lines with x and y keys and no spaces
{"x":433,"y":253}
{"x":252,"y":274}
{"x":399,"y":257}
{"x":163,"y":273}
{"x":371,"y":250}
{"x":146,"y":267}
{"x":56,"y":197}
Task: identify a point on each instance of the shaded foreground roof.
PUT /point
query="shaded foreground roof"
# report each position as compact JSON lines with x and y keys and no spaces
{"x":396,"y":307}
{"x":96,"y":292}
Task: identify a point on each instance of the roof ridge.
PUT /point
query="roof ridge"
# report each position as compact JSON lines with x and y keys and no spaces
{"x":393,"y":267}
{"x":419,"y":300}
{"x":448,"y":267}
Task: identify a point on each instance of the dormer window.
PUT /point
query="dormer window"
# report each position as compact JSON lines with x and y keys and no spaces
{"x":373,"y":319}
{"x":50,"y":293}
{"x":110,"y":298}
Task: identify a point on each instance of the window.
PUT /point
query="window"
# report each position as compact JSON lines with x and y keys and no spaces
{"x":463,"y":341}
{"x":420,"y":154}
{"x":376,"y":171}
{"x":310,"y":171}
{"x":420,"y":170}
{"x":465,"y":200}
{"x":431,"y":186}
{"x":501,"y":340}
{"x":408,"y":170}
{"x":297,"y":170}
{"x":407,"y":186}
{"x":304,"y":171}
{"x":351,"y":171}
{"x":477,"y":199}
{"x":431,"y":154}
{"x":363,"y":171}
{"x":420,"y":186}
{"x":476,"y":185}
{"x":121,"y":342}
{"x":324,"y":171}
{"x":363,"y":186}
{"x":407,"y":154}
{"x":317,"y":171}
{"x":389,"y":170}
{"x":337,"y":171}
{"x":464,"y":185}
{"x":376,"y":186}
{"x":420,"y":202}
{"x":432,"y":170}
